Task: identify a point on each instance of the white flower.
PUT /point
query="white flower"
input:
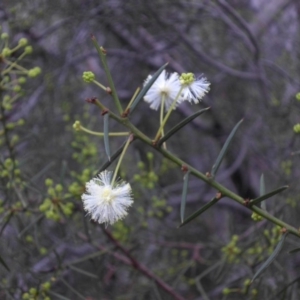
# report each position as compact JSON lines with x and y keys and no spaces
{"x":166,"y":86}
{"x":193,"y":89}
{"x":106,"y":203}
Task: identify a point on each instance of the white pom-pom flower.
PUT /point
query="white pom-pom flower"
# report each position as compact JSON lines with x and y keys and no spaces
{"x":104,"y":202}
{"x":166,"y":86}
{"x":193,"y":89}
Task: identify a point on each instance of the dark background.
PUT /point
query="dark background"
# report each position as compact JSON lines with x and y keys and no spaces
{"x":249,"y":51}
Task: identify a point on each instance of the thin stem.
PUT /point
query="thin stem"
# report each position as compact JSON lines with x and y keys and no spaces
{"x":132,"y":99}
{"x":100,"y":85}
{"x":102,"y":134}
{"x":163,"y":123}
{"x":162,"y":106}
{"x":120,"y":159}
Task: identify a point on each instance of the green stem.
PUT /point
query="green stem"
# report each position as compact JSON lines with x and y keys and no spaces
{"x":102,"y":134}
{"x":102,"y":53}
{"x":120,"y":160}
{"x":223,"y":190}
{"x":100,"y":85}
{"x":163,"y":123}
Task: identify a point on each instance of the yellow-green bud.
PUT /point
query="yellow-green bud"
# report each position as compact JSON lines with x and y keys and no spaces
{"x":8,"y":163}
{"x":297,"y":128}
{"x":34,"y":72}
{"x":48,"y":182}
{"x":22,"y":80}
{"x":33,"y":291}
{"x":46,"y":285}
{"x":298,"y":96}
{"x":28,"y":49}
{"x":59,"y":188}
{"x":77,"y":126}
{"x":226,"y":291}
{"x":150,"y":155}
{"x":88,"y":76}
{"x":23,"y":42}
{"x":16,"y":88}
{"x":187,"y":78}
{"x":25,"y":296}
{"x":43,"y":250}
{"x":4,"y":36}
{"x":6,"y":52}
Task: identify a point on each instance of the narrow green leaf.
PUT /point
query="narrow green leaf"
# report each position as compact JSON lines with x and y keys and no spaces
{"x":102,"y":53}
{"x":271,"y":257}
{"x":294,"y":250}
{"x":268,"y":195}
{"x":224,"y":149}
{"x":86,"y":273}
{"x":112,"y":158}
{"x":145,"y":89}
{"x":262,"y":191}
{"x":181,"y":124}
{"x":106,"y":135}
{"x":184,"y":195}
{"x":200,"y":211}
{"x":3,"y":263}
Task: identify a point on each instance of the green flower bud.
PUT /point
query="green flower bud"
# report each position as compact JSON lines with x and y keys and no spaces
{"x":4,"y":36}
{"x":226,"y":291}
{"x":6,"y":52}
{"x":43,"y":250}
{"x":25,"y":296}
{"x":88,"y":76}
{"x":29,"y":239}
{"x":48,"y":182}
{"x":21,"y":80}
{"x":46,"y":286}
{"x":187,"y":78}
{"x":33,"y":291}
{"x":297,"y":128}
{"x":298,"y":96}
{"x":149,"y":155}
{"x":28,"y":49}
{"x":16,"y":88}
{"x":59,"y":188}
{"x":77,"y":126}
{"x":8,"y":163}
{"x":23,"y":42}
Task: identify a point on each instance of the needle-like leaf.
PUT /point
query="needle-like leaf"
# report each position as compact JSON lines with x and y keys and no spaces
{"x":181,"y":124}
{"x":145,"y":89}
{"x":224,"y":149}
{"x":271,"y":257}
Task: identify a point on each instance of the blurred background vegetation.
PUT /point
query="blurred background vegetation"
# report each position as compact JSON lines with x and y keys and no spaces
{"x":249,"y":51}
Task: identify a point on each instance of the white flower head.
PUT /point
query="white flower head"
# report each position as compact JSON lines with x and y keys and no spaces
{"x":193,"y":88}
{"x":106,"y":203}
{"x":166,"y":86}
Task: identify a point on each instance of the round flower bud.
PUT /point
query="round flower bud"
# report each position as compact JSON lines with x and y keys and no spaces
{"x":22,"y":80}
{"x":6,"y":52}
{"x":28,"y":49}
{"x":23,"y":42}
{"x":88,"y":76}
{"x":4,"y":36}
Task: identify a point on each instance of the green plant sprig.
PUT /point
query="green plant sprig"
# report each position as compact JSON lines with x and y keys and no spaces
{"x":207,"y":179}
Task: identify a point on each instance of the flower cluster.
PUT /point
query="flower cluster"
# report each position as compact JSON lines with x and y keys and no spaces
{"x":107,"y":202}
{"x":170,"y":87}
